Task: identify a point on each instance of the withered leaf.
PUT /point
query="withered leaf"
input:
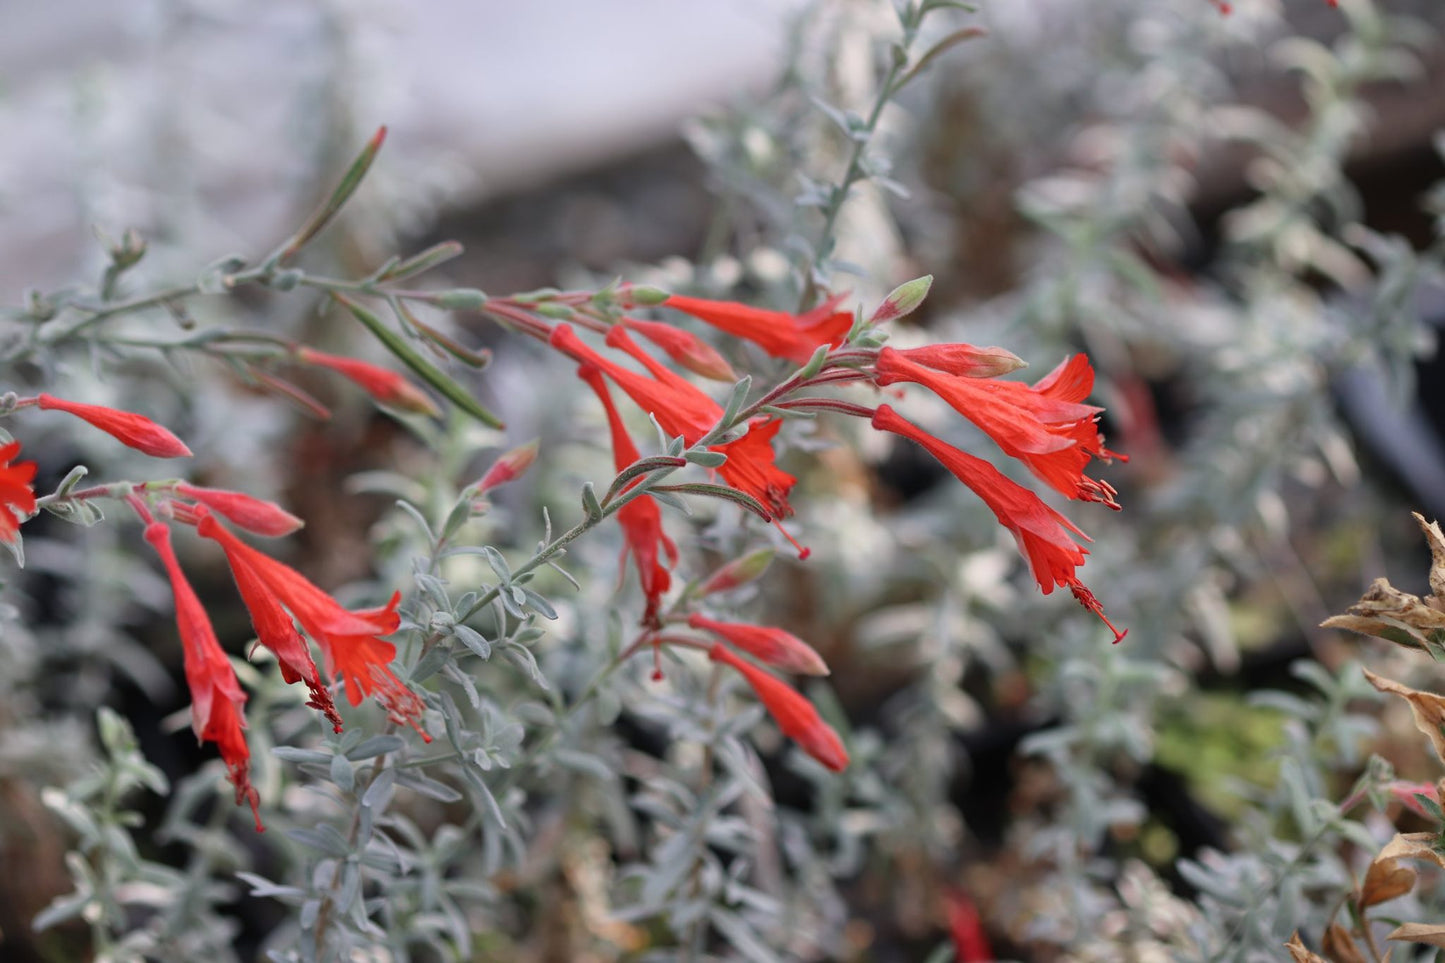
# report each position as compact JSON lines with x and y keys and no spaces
{"x":1431,"y":933}
{"x":1436,"y":539}
{"x":1300,"y":953}
{"x":1385,"y":880}
{"x":1395,"y":616}
{"x":1427,"y":707}
{"x":1412,"y":846}
{"x":1340,"y":946}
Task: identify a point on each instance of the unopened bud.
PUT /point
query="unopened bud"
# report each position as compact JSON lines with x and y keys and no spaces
{"x":965,"y":360}
{"x":460,"y":299}
{"x":903,"y":300}
{"x":739,"y":571}
{"x":509,"y":467}
{"x":646,"y":294}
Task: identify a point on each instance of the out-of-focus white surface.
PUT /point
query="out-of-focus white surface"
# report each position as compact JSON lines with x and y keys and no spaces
{"x":199,"y":120}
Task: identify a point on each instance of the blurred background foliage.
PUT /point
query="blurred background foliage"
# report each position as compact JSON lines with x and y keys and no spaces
{"x":1239,"y":217}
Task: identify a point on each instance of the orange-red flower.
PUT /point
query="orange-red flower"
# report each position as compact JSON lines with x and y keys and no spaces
{"x":1045,"y":425}
{"x":274,"y":628}
{"x":1043,"y":535}
{"x":794,"y":714}
{"x":17,"y":498}
{"x":640,"y":518}
{"x":782,"y":335}
{"x":255,"y":515}
{"x":681,"y":409}
{"x":216,"y":696}
{"x":137,"y":431}
{"x":386,"y":386}
{"x":349,"y":640}
{"x":768,"y":644}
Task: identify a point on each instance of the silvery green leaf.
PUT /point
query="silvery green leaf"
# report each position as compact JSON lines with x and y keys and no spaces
{"x":342,"y":774}
{"x":473,"y":640}
{"x":415,"y":514}
{"x":378,"y":794}
{"x":741,"y":936}
{"x":293,"y":754}
{"x":261,"y":886}
{"x":538,"y":604}
{"x":416,"y":782}
{"x":705,"y":458}
{"x":322,"y":837}
{"x":375,"y":746}
{"x":585,"y":763}
{"x":498,"y":564}
{"x":523,"y":657}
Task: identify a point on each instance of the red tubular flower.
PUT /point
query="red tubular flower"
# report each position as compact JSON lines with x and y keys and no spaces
{"x":254,"y":515}
{"x":681,"y":409}
{"x":769,"y":645}
{"x":1044,"y":426}
{"x":216,"y":696}
{"x":384,"y":385}
{"x":275,"y":630}
{"x":685,"y":348}
{"x":1043,"y":535}
{"x":136,"y":431}
{"x":17,"y":498}
{"x":780,"y":334}
{"x":349,"y":640}
{"x":641,"y":520}
{"x":794,"y":714}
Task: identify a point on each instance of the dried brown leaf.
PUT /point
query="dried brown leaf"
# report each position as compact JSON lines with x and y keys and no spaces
{"x":1412,"y":846}
{"x":1436,"y":539}
{"x":1340,"y":946}
{"x":1300,"y":954}
{"x":1385,"y":880}
{"x":1431,"y":933}
{"x":1427,"y":707}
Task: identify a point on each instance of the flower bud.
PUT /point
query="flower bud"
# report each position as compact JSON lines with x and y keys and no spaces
{"x":685,"y":348}
{"x":136,"y":431}
{"x":255,"y":515}
{"x":460,"y":299}
{"x":794,"y":714}
{"x":903,"y":300}
{"x":965,"y":360}
{"x":646,"y":294}
{"x":509,"y":467}
{"x":383,"y":384}
{"x":739,"y":571}
{"x":769,"y":645}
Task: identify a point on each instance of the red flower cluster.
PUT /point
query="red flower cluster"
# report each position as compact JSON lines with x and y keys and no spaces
{"x":1047,"y":426}
{"x":274,"y":595}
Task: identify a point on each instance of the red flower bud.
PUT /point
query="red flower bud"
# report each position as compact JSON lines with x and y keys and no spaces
{"x":794,"y":714}
{"x":137,"y":431}
{"x":255,"y":515}
{"x":383,"y":384}
{"x":686,"y":348}
{"x":772,"y":646}
{"x":509,"y":467}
